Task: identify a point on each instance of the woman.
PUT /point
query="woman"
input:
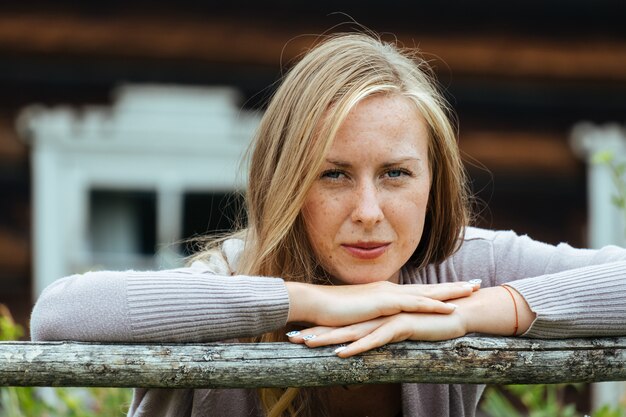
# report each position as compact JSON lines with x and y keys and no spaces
{"x":355,"y":178}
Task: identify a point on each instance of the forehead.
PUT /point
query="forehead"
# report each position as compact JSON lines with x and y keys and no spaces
{"x":389,"y":122}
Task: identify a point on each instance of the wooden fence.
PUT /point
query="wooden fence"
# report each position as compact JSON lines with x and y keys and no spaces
{"x":464,"y":360}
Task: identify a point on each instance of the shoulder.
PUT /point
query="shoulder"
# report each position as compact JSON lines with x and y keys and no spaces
{"x":478,"y":242}
{"x":484,"y":254}
{"x":499,"y":240}
{"x":512,"y":256}
{"x":506,"y":243}
{"x":486,"y":235}
{"x":475,"y":256}
{"x":488,"y":253}
{"x":473,"y":259}
{"x":221,"y":261}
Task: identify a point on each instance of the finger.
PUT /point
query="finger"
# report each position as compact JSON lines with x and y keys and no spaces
{"x":420,"y":304}
{"x":448,"y":290}
{"x":302,"y":336}
{"x":476,"y":283}
{"x":295,"y":337}
{"x":379,"y":337}
{"x":345,"y":334}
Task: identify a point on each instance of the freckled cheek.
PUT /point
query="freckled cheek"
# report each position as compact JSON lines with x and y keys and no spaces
{"x":321,"y":218}
{"x":408,"y":220}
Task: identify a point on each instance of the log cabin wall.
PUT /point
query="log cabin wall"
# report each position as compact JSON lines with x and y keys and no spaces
{"x":518,"y":79}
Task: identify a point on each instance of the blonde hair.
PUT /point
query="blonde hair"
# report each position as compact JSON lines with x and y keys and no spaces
{"x":294,"y":136}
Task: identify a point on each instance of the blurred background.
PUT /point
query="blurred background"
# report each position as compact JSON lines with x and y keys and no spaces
{"x":125,"y":89}
{"x":519,"y":78}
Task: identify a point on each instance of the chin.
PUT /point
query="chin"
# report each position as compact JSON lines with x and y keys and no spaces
{"x":354,"y":279}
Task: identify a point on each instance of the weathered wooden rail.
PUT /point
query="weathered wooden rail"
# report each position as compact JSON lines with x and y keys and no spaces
{"x":465,"y":360}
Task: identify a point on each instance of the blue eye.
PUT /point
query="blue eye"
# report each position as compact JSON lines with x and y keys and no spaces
{"x":394,"y":173}
{"x":398,"y":173}
{"x":332,"y":174}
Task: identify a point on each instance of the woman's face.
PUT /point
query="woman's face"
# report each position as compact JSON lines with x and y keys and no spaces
{"x":364,"y":215}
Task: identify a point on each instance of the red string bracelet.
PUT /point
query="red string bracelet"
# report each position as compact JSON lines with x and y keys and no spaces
{"x":515,"y":307}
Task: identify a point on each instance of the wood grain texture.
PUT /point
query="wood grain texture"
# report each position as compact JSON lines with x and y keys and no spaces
{"x":463,"y":360}
{"x":240,"y":41}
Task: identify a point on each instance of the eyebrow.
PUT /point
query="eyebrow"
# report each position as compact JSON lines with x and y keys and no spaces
{"x":344,"y":164}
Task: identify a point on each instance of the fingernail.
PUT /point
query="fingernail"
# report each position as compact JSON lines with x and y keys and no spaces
{"x":453,"y":305}
{"x":340,"y":349}
{"x":292,"y":333}
{"x":475,"y":281}
{"x":309,"y":337}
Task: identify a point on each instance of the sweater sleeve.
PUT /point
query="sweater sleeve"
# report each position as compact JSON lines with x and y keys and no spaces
{"x":573,"y":292}
{"x":183,"y":305}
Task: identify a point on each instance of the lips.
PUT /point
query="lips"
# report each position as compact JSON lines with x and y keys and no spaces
{"x":366,"y":250}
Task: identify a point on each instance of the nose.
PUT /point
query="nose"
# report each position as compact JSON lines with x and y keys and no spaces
{"x":367,"y":206}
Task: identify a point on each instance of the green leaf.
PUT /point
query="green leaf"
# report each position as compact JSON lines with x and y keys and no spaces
{"x":495,"y":404}
{"x":607,"y":411}
{"x":619,"y":169}
{"x":603,"y":157}
{"x":618,"y":201}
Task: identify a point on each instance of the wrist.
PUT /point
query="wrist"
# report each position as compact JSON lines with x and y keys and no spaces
{"x":301,"y":307}
{"x":492,"y":311}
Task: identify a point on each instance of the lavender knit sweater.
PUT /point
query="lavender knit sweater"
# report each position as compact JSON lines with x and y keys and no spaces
{"x":574,"y":292}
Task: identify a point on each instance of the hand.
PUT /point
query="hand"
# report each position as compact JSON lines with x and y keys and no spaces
{"x":488,"y":311}
{"x":380,"y":331}
{"x":343,"y":305}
